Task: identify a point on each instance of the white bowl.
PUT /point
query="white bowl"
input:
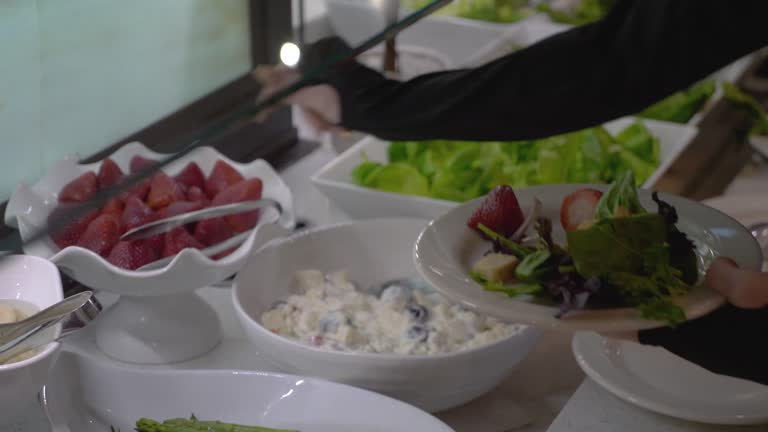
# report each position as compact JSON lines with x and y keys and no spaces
{"x":158,"y":319}
{"x":35,"y":281}
{"x":30,"y":206}
{"x":334,"y":180}
{"x":372,"y":251}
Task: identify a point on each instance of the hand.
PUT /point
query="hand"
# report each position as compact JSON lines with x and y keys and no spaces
{"x":321,"y":104}
{"x":743,"y":288}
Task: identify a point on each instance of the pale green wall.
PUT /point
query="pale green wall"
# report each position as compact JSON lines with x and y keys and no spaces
{"x":78,"y":75}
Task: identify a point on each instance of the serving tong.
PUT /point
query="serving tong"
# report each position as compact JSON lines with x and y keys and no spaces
{"x":167,"y":224}
{"x":15,"y":337}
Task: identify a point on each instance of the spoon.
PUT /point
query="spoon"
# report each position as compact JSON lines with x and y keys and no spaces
{"x":13,"y":333}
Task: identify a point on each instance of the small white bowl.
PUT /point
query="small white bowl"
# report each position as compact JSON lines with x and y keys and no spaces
{"x":37,"y":282}
{"x":373,"y":251}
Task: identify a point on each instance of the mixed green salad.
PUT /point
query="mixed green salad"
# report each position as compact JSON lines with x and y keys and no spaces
{"x":618,"y":254}
{"x":743,"y":100}
{"x":460,"y":171}
{"x":573,"y":12}
{"x":576,"y":12}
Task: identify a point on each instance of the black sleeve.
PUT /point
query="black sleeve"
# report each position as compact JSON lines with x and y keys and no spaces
{"x":643,"y":51}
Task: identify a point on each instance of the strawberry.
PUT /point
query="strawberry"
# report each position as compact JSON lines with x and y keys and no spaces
{"x":109,"y":174}
{"x":245,"y":190}
{"x":221,"y":255}
{"x":163,"y":191}
{"x":139,"y":190}
{"x":500,"y":212}
{"x":139,"y":163}
{"x":136,"y":213}
{"x":101,"y":235}
{"x":72,"y":230}
{"x":191,"y":175}
{"x":131,"y":255}
{"x":178,"y":207}
{"x":80,"y":189}
{"x":113,"y":207}
{"x":213,"y":231}
{"x":222,"y":176}
{"x":177,"y":240}
{"x":196,"y":194}
{"x":578,"y":208}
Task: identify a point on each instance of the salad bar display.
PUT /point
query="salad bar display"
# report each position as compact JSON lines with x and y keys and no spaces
{"x":460,"y":171}
{"x":618,"y":253}
{"x":573,"y":12}
{"x":157,"y":198}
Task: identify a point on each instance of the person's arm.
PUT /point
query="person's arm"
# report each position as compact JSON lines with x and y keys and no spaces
{"x":643,"y":51}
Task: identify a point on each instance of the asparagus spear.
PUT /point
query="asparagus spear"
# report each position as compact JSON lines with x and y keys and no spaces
{"x":195,"y":425}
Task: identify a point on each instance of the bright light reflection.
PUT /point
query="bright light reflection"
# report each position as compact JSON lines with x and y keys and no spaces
{"x":290,"y":54}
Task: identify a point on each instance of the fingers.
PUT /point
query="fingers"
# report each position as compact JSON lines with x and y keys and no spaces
{"x":743,"y":288}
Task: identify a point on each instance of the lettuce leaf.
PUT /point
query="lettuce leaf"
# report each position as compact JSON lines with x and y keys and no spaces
{"x":680,"y":107}
{"x":741,"y":99}
{"x":621,"y":195}
{"x":462,"y":170}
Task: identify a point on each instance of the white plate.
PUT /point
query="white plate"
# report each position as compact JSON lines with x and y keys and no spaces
{"x":747,"y":209}
{"x":335,"y":179}
{"x":88,"y":396}
{"x":655,"y":379}
{"x":445,"y":251}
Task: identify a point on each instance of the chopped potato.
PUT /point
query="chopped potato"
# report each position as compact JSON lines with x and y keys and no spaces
{"x":496,"y":267}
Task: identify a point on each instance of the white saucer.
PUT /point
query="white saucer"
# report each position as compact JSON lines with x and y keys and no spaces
{"x":655,"y":379}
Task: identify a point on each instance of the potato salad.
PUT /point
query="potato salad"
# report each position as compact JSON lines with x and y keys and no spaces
{"x":330,"y":312}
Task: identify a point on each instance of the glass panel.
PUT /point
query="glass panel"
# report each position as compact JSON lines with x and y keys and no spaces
{"x":161,"y":62}
{"x":80,"y":75}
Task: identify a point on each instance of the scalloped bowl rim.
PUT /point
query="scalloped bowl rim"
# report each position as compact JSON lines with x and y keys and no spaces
{"x":128,"y":151}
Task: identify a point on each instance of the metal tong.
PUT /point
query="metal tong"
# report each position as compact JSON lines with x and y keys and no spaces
{"x":167,"y":224}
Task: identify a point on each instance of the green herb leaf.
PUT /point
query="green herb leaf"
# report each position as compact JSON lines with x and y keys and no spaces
{"x":622,"y":194}
{"x":533,"y":267}
{"x":518,"y":250}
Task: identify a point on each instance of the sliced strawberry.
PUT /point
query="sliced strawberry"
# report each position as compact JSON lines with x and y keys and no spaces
{"x":191,"y":175}
{"x":80,"y":189}
{"x":177,"y":208}
{"x":140,"y":190}
{"x":196,"y":194}
{"x":500,"y":212}
{"x":245,"y":190}
{"x":177,"y":240}
{"x":222,"y":176}
{"x":136,"y":213}
{"x":579,"y":208}
{"x":139,"y":163}
{"x":113,"y":207}
{"x":101,"y":235}
{"x":131,"y":255}
{"x":72,"y":230}
{"x":163,"y":191}
{"x":109,"y":174}
{"x":213,"y":231}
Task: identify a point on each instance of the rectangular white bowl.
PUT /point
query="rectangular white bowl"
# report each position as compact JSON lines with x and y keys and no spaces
{"x":335,"y":181}
{"x":457,"y":39}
